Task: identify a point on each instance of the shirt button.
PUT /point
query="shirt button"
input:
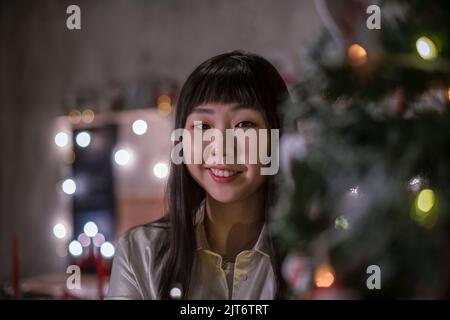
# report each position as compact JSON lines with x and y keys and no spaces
{"x":243,"y":277}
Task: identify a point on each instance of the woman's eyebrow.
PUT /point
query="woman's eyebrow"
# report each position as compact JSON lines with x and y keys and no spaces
{"x":239,"y":106}
{"x":203,"y":110}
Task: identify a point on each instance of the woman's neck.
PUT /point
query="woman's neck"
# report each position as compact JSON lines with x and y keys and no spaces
{"x":234,"y":227}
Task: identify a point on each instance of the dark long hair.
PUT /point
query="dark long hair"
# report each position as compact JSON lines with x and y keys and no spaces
{"x":234,"y":77}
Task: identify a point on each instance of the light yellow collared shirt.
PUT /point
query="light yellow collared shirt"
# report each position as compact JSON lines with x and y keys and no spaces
{"x":134,"y":275}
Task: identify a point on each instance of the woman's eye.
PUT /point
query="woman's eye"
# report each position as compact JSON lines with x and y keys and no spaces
{"x":200,"y":126}
{"x":245,"y":124}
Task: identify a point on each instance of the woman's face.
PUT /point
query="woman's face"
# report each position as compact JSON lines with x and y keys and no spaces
{"x":226,"y":182}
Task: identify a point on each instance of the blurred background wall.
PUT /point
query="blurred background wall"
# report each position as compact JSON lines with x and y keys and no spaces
{"x":45,"y":68}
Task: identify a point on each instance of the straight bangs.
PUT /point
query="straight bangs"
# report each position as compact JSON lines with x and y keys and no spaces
{"x":227,"y":81}
{"x":234,"y":85}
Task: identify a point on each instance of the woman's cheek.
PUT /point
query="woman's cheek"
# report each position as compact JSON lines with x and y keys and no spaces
{"x":192,"y":150}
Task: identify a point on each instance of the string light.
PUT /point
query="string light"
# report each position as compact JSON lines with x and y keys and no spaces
{"x":175,"y":293}
{"x":357,"y":55}
{"x":75,"y":248}
{"x":88,"y":116}
{"x":90,"y":229}
{"x":164,"y":99}
{"x":59,"y":230}
{"x":161,"y":170}
{"x":122,"y":157}
{"x":425,"y":200}
{"x":426,"y":48}
{"x":98,"y":240}
{"x":341,"y":223}
{"x":61,"y":139}
{"x":75,"y":116}
{"x":107,"y":250}
{"x":324,"y":276}
{"x":83,"y":139}
{"x":69,"y":187}
{"x":139,"y":127}
{"x":164,"y":104}
{"x":425,"y":214}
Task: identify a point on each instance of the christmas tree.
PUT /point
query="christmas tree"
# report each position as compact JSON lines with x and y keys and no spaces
{"x":364,"y":208}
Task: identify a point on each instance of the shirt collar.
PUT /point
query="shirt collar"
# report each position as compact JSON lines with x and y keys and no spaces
{"x":262,"y":244}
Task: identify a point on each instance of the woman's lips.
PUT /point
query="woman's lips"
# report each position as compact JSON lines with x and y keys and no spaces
{"x":223,"y":175}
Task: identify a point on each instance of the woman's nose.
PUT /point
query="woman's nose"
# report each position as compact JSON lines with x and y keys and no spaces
{"x":219,"y":146}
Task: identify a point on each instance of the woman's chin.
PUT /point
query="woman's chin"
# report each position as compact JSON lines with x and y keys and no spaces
{"x":225,"y":196}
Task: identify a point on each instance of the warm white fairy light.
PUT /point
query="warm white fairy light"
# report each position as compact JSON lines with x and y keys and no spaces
{"x":107,"y":250}
{"x":175,"y":293}
{"x":90,"y":229}
{"x":75,"y":248}
{"x":83,"y":139}
{"x":161,"y":170}
{"x":69,"y":186}
{"x":139,"y":127}
{"x":61,"y":139}
{"x":123,"y":157}
{"x":59,"y":230}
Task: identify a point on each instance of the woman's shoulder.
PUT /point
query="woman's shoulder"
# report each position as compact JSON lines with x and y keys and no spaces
{"x":145,"y":235}
{"x":137,"y":262}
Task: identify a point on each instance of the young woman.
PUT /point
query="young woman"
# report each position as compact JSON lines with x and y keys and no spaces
{"x":214,"y":242}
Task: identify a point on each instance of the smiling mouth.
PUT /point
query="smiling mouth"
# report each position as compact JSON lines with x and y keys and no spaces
{"x":223,"y":175}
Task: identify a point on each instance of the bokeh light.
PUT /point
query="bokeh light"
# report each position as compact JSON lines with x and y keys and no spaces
{"x":61,"y":139}
{"x":83,"y":139}
{"x":426,"y":48}
{"x":122,"y":157}
{"x":107,"y":250}
{"x":175,"y":293}
{"x":98,"y":240}
{"x":88,"y":116}
{"x":69,"y":187}
{"x":341,"y":223}
{"x":84,"y":240}
{"x":90,"y":229}
{"x":161,"y":170}
{"x":75,"y":248}
{"x":425,"y":200}
{"x":324,"y":276}
{"x":164,"y":104}
{"x":424,"y":212}
{"x":357,"y":55}
{"x":75,"y":116}
{"x":139,"y":127}
{"x":60,"y":231}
